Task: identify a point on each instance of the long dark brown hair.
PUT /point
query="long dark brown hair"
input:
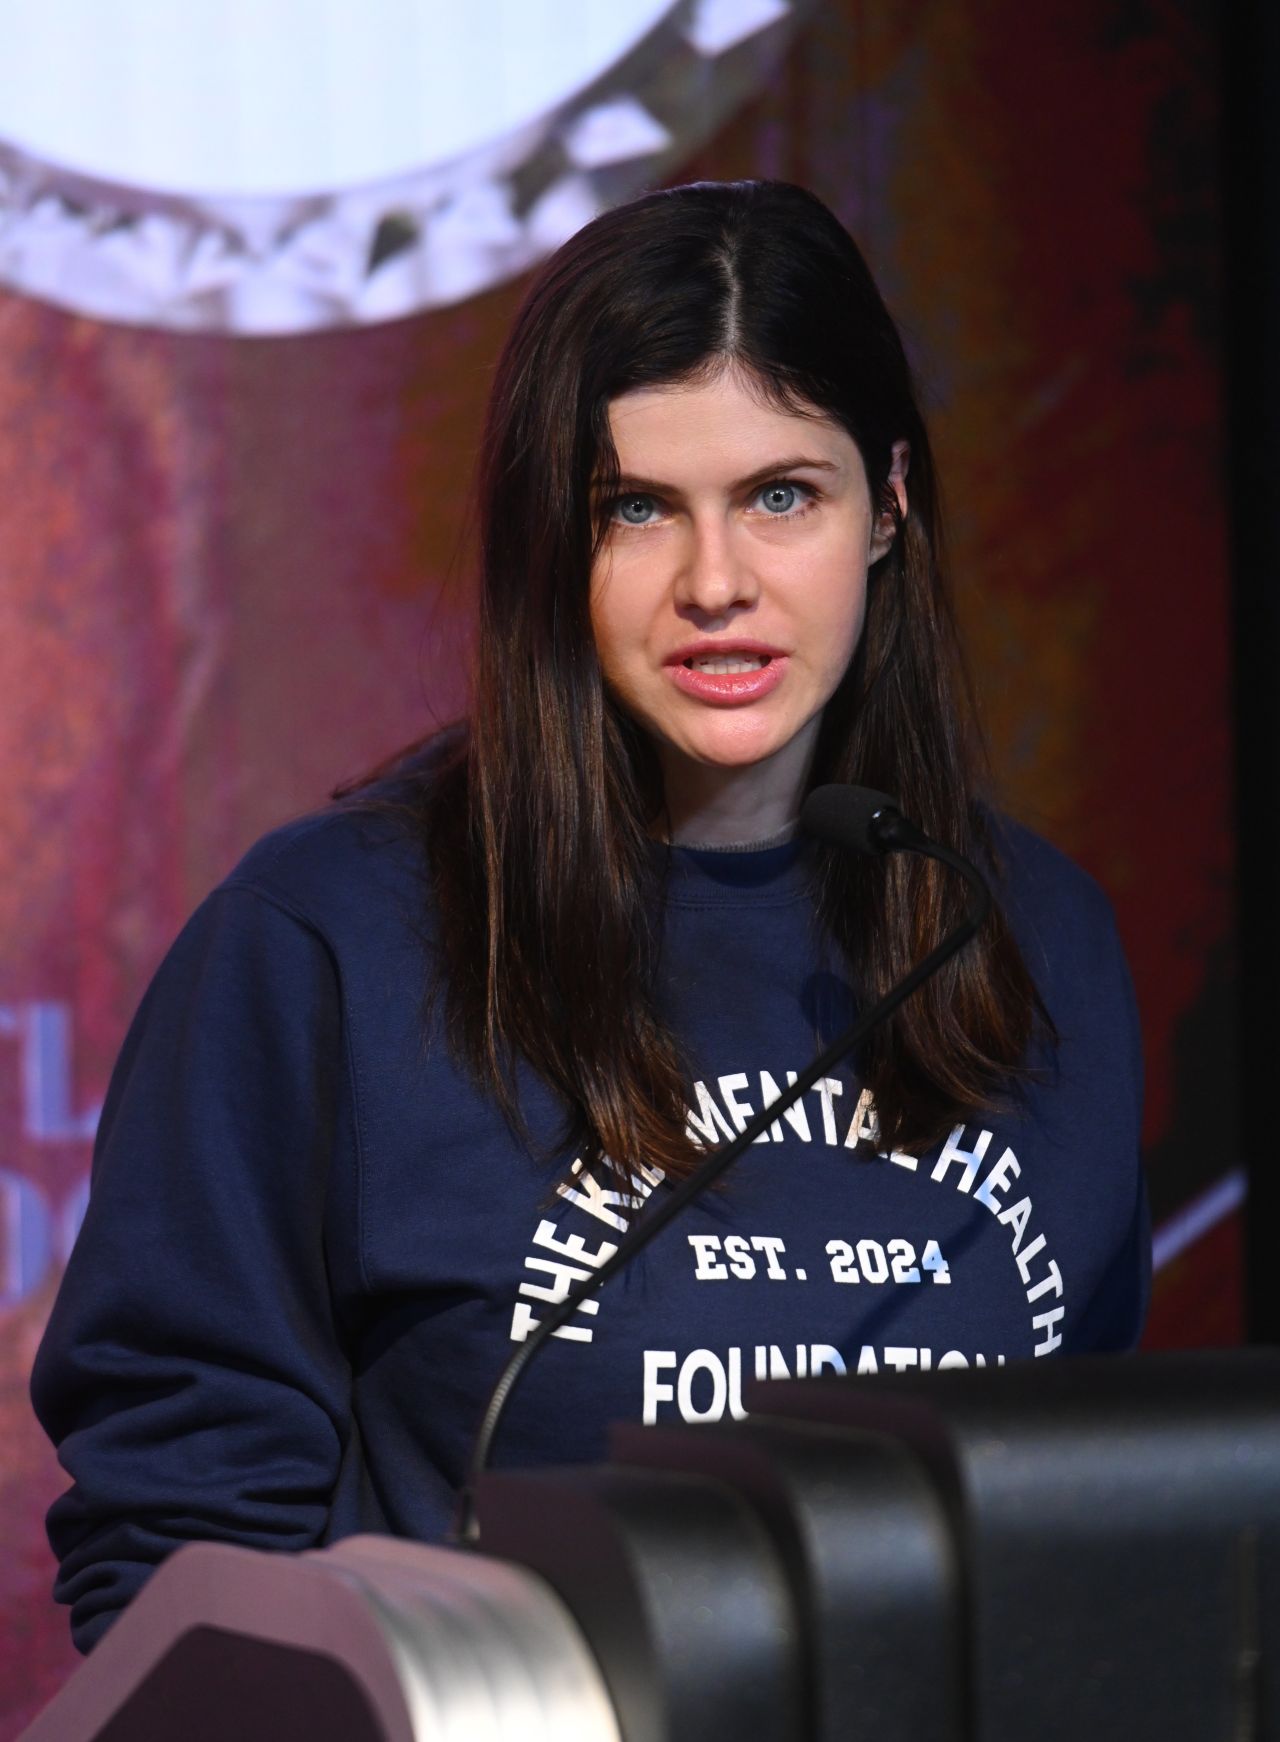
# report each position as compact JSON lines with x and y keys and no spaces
{"x":538,"y":817}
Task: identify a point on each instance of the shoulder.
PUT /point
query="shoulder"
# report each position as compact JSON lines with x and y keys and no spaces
{"x":1032,"y":874}
{"x":1062,"y":917}
{"x":340,"y":867}
{"x":320,"y":862}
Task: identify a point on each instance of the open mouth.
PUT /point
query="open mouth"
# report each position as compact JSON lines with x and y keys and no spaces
{"x":725,"y":665}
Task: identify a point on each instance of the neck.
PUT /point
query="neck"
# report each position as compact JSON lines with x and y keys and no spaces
{"x":710,"y":806}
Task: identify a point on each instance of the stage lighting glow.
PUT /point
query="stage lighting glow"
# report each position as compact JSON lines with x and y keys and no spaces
{"x":252,"y":97}
{"x":279,"y":165}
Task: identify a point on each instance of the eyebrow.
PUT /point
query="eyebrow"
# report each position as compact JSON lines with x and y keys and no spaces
{"x":775,"y":468}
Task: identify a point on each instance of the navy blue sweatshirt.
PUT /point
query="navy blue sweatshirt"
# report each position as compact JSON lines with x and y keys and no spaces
{"x":311,"y":1241}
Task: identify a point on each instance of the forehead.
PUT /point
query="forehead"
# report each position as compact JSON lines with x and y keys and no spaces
{"x":717,"y":426}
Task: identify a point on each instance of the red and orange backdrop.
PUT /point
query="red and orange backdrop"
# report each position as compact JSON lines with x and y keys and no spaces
{"x":234,"y":570}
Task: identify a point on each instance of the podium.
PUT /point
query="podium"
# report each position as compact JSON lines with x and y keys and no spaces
{"x":1080,"y":1550}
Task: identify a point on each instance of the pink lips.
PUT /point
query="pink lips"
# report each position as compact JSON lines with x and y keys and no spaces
{"x":726,"y":689}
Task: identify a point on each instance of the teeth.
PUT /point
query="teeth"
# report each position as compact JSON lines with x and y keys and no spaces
{"x":726,"y":664}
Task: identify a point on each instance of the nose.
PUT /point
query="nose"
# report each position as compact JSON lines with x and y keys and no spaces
{"x":714,"y":577}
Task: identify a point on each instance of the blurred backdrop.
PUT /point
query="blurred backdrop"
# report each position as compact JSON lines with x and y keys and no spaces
{"x":238,"y":413}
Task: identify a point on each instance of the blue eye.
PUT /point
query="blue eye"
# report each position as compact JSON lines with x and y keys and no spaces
{"x":785,"y":499}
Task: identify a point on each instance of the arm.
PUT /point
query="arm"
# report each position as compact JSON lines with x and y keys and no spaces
{"x":191,"y":1374}
{"x":1117,"y":1311}
{"x":1089,"y":1104}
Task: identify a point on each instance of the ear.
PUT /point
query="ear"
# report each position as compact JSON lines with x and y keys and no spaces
{"x":883,"y":532}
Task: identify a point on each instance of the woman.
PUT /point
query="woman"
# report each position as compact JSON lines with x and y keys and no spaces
{"x":416,"y":1065}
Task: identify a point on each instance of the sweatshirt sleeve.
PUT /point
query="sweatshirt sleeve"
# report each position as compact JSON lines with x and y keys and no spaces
{"x":1090,"y":1112}
{"x":1115,"y":1316}
{"x":191,"y":1375}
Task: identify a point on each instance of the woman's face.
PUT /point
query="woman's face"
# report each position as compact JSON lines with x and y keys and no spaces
{"x":730,"y":591}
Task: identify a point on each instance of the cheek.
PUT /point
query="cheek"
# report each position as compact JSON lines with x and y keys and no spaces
{"x":856,"y":621}
{"x":614,"y":635}
{"x":843,"y":620}
{"x":619,"y":624}
{"x":603,"y":631}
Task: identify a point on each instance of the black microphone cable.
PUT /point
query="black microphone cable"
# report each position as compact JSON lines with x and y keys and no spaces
{"x":861,"y":821}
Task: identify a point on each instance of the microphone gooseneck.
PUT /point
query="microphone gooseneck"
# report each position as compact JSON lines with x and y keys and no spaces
{"x":863,"y":821}
{"x":858,"y":820}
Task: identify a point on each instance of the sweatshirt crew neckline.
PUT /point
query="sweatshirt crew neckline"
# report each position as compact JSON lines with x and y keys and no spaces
{"x":763,"y":874}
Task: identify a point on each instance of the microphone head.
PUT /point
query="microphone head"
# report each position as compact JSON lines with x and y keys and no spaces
{"x":849,"y":816}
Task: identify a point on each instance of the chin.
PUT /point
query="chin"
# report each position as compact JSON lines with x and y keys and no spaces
{"x":737,"y":750}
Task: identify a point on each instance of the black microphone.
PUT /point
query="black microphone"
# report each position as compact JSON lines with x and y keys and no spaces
{"x":861,"y":821}
{"x":864,"y":821}
{"x":853,"y":817}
